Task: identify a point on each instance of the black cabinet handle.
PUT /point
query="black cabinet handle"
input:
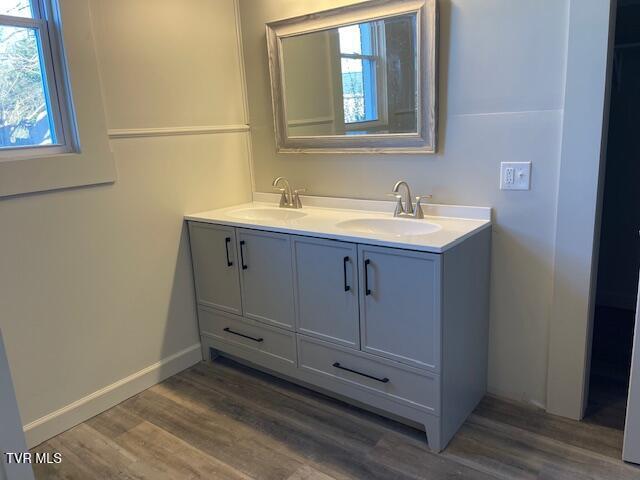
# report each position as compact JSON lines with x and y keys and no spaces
{"x":244,"y":267}
{"x":227,"y":241}
{"x":344,"y":270}
{"x":381,"y":380}
{"x":367,"y":291}
{"x":227,"y":329}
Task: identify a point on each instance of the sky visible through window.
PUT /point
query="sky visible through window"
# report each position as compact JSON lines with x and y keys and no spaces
{"x":16,"y":8}
{"x":358,"y":73}
{"x":25,"y":119}
{"x":350,"y":41}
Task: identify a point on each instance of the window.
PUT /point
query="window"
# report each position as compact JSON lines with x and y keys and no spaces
{"x":359,"y":66}
{"x":34,"y":113}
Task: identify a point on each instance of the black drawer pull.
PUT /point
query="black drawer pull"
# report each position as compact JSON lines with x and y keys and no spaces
{"x":381,"y":380}
{"x":227,"y":241}
{"x":344,"y":270}
{"x":244,"y":267}
{"x":367,"y":291}
{"x":227,"y":329}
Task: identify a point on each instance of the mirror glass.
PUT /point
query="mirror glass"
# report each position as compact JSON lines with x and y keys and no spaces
{"x":356,"y":79}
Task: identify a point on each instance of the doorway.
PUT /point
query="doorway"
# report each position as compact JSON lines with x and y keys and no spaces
{"x":619,"y":257}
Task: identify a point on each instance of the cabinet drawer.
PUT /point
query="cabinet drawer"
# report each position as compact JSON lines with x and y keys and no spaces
{"x":378,"y":376}
{"x":246,"y":335}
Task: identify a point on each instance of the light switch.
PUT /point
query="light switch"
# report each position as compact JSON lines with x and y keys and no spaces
{"x":515,"y":176}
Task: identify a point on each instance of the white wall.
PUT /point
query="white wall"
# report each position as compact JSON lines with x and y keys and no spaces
{"x":501,"y":98}
{"x":95,"y":283}
{"x":579,"y":194}
{"x":309,"y":77}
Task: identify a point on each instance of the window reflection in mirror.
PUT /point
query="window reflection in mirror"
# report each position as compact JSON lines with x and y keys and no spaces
{"x":359,"y":69}
{"x":352,"y":80}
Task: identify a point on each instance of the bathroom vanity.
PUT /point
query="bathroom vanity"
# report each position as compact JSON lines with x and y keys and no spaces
{"x":389,"y":314}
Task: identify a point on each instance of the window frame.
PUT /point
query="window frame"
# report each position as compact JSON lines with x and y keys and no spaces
{"x":46,"y":23}
{"x":379,"y":77}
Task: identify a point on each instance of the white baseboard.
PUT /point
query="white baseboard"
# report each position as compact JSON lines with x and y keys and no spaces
{"x":87,"y":407}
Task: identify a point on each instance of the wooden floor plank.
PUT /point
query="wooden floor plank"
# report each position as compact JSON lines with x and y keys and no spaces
{"x":215,"y":435}
{"x":309,"y":473}
{"x":225,"y":421}
{"x":595,"y":438}
{"x":509,"y":452}
{"x":340,"y":429}
{"x":325,"y":450}
{"x":172,"y":456}
{"x":88,"y":454}
{"x":114,"y":422}
{"x":415,"y":459}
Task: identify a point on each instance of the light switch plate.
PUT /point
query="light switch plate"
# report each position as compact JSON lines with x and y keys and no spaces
{"x":515,"y":176}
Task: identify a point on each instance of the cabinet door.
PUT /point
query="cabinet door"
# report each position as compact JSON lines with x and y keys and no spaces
{"x":400,"y":305}
{"x":215,"y":266}
{"x":326,"y":282}
{"x":266,"y":277}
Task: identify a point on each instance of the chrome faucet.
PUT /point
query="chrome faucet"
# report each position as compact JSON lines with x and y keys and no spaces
{"x":288,"y":198}
{"x":408,"y":209}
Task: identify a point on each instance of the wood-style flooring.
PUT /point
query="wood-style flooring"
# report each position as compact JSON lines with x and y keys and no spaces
{"x":226,"y":421}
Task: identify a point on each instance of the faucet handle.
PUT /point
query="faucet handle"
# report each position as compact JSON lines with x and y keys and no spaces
{"x":284,"y":200}
{"x":418,"y":213}
{"x":297,"y":203}
{"x":399,"y":208}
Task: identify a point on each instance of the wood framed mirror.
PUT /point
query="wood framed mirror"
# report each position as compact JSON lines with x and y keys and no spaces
{"x":356,"y":79}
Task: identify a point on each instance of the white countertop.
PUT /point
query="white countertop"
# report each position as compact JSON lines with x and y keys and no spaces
{"x":323,"y":216}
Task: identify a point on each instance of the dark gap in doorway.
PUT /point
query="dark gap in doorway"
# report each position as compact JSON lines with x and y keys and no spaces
{"x":619,"y":259}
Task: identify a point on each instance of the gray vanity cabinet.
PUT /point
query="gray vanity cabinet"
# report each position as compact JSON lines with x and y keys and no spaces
{"x":400,"y":305}
{"x":215,"y":266}
{"x":266,"y":277}
{"x":326,"y":283}
{"x":401,"y":331}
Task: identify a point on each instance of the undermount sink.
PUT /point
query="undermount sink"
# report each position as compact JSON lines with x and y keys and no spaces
{"x":278,"y":214}
{"x":397,"y":227}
